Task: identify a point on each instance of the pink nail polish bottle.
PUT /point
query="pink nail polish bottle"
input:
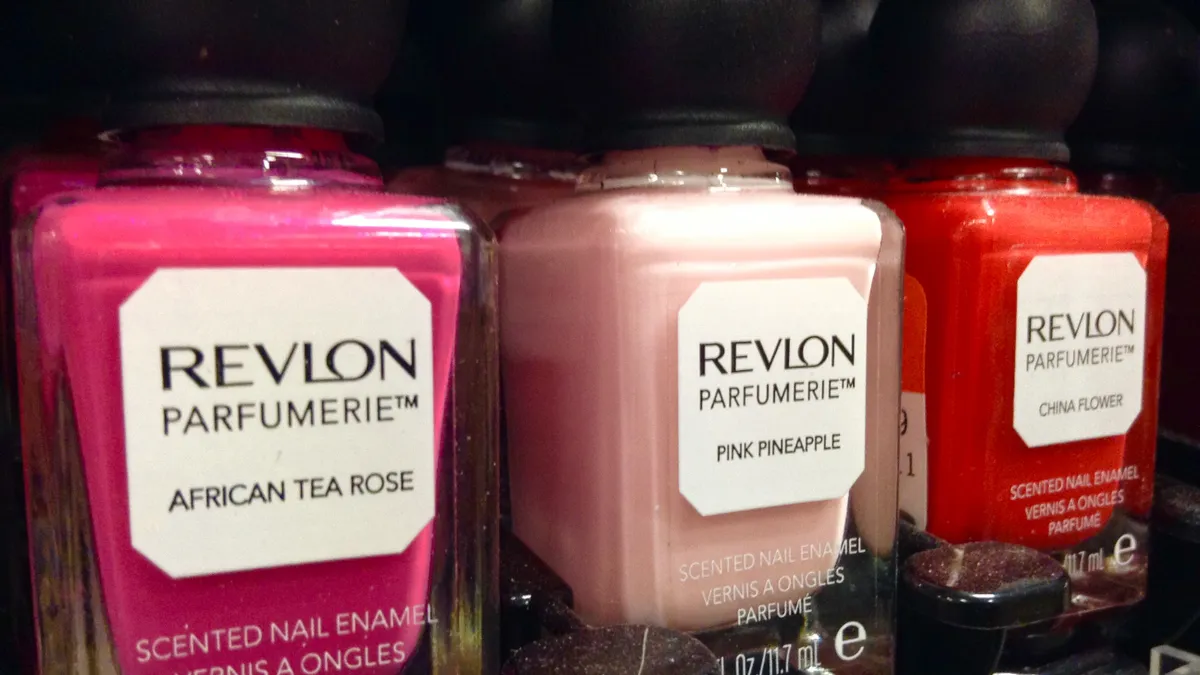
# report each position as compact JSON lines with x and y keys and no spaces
{"x":257,"y":392}
{"x":63,"y":159}
{"x":515,"y":146}
{"x":702,"y":368}
{"x":67,"y":158}
{"x":51,"y":91}
{"x":49,"y":98}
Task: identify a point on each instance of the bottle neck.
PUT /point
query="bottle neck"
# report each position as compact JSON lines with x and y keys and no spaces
{"x":1147,"y":186}
{"x":260,"y":157}
{"x":982,"y":174}
{"x":513,"y":162}
{"x":841,"y":176}
{"x":732,"y":168}
{"x":74,"y":135}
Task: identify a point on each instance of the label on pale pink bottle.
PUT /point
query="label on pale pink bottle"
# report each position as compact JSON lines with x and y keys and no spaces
{"x":1081,"y":347}
{"x":276,"y":416}
{"x":772,"y":393}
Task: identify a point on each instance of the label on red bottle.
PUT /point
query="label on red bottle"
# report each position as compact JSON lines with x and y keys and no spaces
{"x":276,"y":416}
{"x":772,"y":393}
{"x":914,"y":441}
{"x":1081,"y":352}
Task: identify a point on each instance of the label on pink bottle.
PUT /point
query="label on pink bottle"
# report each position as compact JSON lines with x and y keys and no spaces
{"x":772,"y":393}
{"x":276,"y":416}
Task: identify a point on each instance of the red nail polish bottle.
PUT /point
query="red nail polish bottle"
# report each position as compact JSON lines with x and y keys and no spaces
{"x":1125,"y":142}
{"x":257,"y":392}
{"x":515,"y":146}
{"x":1042,"y":307}
{"x":838,"y":151}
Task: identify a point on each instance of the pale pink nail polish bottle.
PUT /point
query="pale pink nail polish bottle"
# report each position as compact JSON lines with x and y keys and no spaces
{"x":702,"y":368}
{"x":515,"y":144}
{"x":257,"y":392}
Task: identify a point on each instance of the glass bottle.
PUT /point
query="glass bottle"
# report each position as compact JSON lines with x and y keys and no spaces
{"x":1036,"y":311}
{"x":683,"y":345}
{"x":247,"y":440}
{"x":493,"y":178}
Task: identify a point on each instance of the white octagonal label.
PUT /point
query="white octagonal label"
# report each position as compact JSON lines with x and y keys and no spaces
{"x":1081,"y":347}
{"x":276,"y":416}
{"x":772,"y":393}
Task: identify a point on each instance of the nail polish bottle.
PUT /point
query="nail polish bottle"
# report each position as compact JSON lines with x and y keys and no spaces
{"x":1125,"y":142}
{"x":58,"y":87}
{"x":412,"y":103}
{"x":68,"y":157}
{"x":1040,"y":308}
{"x":1178,"y":422}
{"x":48,"y":104}
{"x":15,"y":631}
{"x":1166,"y":617}
{"x":515,"y":148}
{"x":257,"y":392}
{"x":701,"y":367}
{"x":61,"y":160}
{"x":837,"y":144}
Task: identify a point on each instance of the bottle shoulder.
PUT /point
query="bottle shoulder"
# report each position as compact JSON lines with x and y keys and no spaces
{"x":1183,"y":209}
{"x":1085,"y":220}
{"x":40,"y":178}
{"x":1011,"y":201}
{"x":701,"y":218}
{"x":139,"y":211}
{"x":445,"y":181}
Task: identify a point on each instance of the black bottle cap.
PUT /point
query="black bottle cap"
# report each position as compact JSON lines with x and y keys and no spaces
{"x":1189,"y":8}
{"x":1104,"y":661}
{"x":616,"y":650}
{"x":19,"y":70}
{"x":249,"y":62}
{"x":1168,"y":614}
{"x":535,"y":601}
{"x":654,"y":73}
{"x":1145,"y":91}
{"x":836,"y":116}
{"x":983,"y":78}
{"x":44,"y":74}
{"x":961,"y":604}
{"x":498,"y":58}
{"x":913,"y":540}
{"x":984,"y":585}
{"x":1179,"y":458}
{"x":412,"y":104}
{"x":1177,"y":510}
